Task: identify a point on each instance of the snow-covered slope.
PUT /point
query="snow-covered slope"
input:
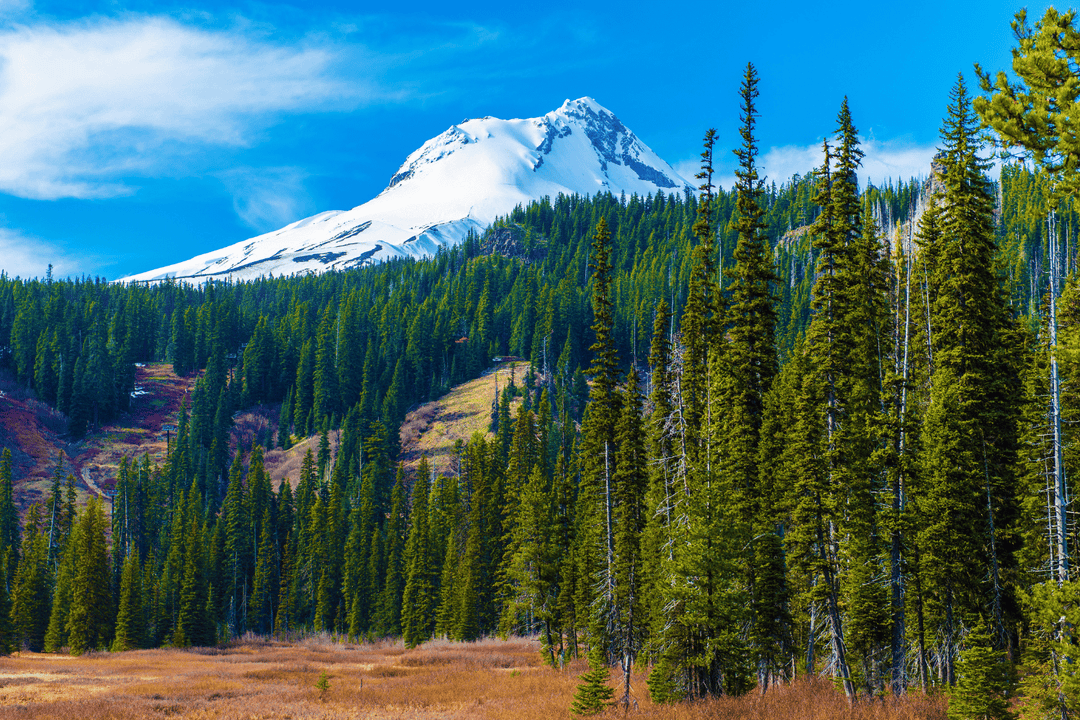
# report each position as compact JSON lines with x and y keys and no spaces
{"x":456,"y":182}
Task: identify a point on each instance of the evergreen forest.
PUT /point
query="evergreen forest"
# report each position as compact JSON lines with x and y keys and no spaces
{"x":768,"y":431}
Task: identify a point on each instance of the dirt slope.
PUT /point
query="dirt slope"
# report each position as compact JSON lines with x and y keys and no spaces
{"x":34,"y":434}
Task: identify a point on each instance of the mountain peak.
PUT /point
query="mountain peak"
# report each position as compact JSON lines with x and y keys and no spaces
{"x":584,"y":102}
{"x":457,"y":182}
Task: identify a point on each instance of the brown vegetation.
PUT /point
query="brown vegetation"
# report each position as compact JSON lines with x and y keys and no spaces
{"x":35,"y":433}
{"x":281,"y":464}
{"x":260,"y":679}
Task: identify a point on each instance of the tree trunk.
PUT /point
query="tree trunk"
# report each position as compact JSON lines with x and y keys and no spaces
{"x":836,"y":626}
{"x":1060,"y":489}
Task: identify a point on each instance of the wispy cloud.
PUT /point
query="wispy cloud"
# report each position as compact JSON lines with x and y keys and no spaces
{"x":88,"y":105}
{"x":896,"y":159}
{"x":268,"y":198}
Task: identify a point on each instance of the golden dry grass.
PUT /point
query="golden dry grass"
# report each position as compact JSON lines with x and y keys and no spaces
{"x":281,"y":464}
{"x":434,"y":427}
{"x":490,"y":679}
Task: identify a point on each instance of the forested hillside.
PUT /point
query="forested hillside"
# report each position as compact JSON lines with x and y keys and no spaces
{"x":769,"y":431}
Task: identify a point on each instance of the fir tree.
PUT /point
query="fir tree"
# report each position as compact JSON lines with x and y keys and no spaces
{"x":630,"y":482}
{"x":89,"y":620}
{"x":968,"y":495}
{"x":30,"y":603}
{"x":388,"y":611}
{"x":593,"y":693}
{"x":982,"y":680}
{"x":9,"y":516}
{"x":418,"y":600}
{"x":193,"y":625}
{"x":130,"y":616}
{"x":262,"y":590}
{"x":751,"y":363}
{"x":700,"y":315}
{"x":7,"y":627}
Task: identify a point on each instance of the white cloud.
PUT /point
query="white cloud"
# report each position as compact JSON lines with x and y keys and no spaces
{"x":268,"y":198}
{"x":26,"y":257}
{"x":896,"y":159}
{"x":87,"y":105}
{"x":882,"y":160}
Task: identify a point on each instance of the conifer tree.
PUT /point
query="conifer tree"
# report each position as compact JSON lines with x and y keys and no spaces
{"x":982,"y":680}
{"x":1035,"y":119}
{"x":750,"y":364}
{"x":7,"y":627}
{"x":89,"y":620}
{"x":816,"y":535}
{"x":56,"y":636}
{"x":262,"y":590}
{"x":658,"y":536}
{"x":595,"y":532}
{"x":630,"y":482}
{"x":418,"y":600}
{"x":388,"y":610}
{"x":325,"y":394}
{"x":235,"y":511}
{"x":593,"y":694}
{"x":193,"y":624}
{"x":532,"y":567}
{"x":357,"y":581}
{"x":9,"y":516}
{"x":751,"y":314}
{"x":968,"y":497}
{"x":700,"y":315}
{"x":285,"y":618}
{"x":285,"y":420}
{"x":31,"y":597}
{"x":130,"y":615}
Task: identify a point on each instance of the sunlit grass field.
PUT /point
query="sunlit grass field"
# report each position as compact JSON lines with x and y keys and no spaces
{"x":256,"y":679}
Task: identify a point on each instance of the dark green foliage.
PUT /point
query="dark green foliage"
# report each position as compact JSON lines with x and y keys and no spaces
{"x":30,"y":593}
{"x":7,"y":627}
{"x":261,"y":617}
{"x":970,"y":428}
{"x":90,"y":615}
{"x":9,"y":516}
{"x":131,"y":612}
{"x":593,"y":694}
{"x":387,"y":620}
{"x":418,"y":599}
{"x":982,"y":680}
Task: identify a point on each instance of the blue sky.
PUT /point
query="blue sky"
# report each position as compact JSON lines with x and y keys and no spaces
{"x":137,"y":134}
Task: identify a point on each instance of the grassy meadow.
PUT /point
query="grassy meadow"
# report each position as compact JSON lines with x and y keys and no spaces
{"x":257,"y":679}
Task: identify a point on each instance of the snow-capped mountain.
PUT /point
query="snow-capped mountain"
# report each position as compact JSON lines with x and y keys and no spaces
{"x":458,"y":181}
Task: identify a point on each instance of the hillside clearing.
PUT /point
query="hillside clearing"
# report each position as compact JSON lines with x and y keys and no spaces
{"x":434,"y":427}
